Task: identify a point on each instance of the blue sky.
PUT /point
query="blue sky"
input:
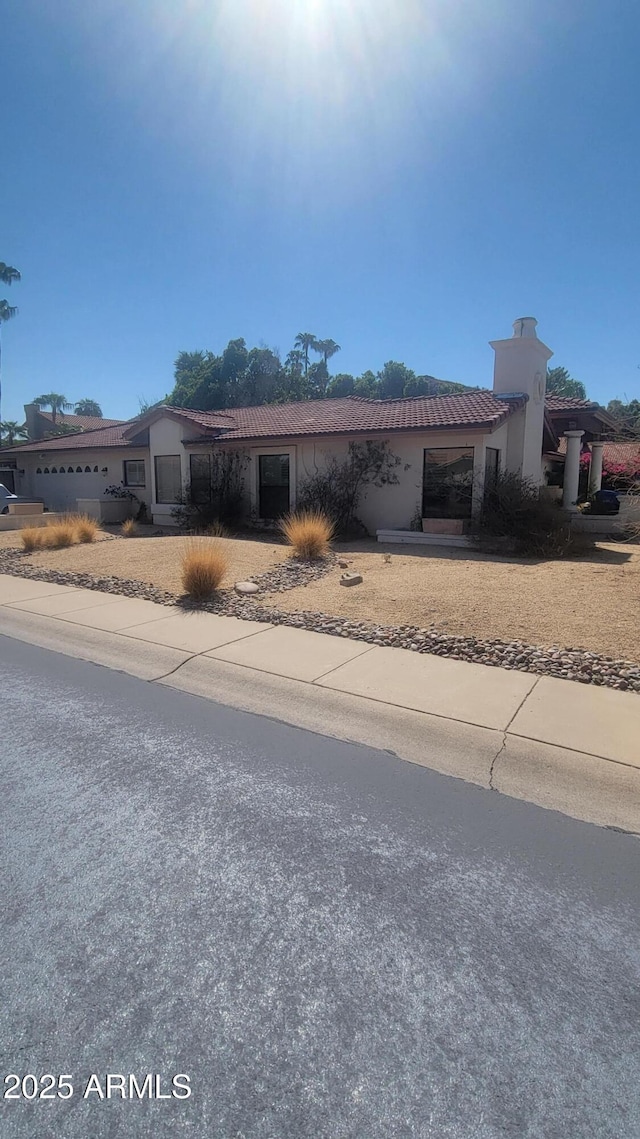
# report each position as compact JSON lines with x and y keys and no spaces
{"x":404,"y":177}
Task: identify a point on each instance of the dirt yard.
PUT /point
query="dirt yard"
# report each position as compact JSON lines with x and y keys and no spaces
{"x":592,"y":603}
{"x":157,"y":560}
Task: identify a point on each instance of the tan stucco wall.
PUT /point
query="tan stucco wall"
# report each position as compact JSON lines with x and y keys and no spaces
{"x":61,"y":491}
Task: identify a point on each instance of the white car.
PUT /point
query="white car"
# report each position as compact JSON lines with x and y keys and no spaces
{"x":7,"y":496}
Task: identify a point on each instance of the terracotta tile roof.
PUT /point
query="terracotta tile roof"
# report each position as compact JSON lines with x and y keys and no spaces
{"x":84,"y":422}
{"x":352,"y":415}
{"x":567,"y":403}
{"x":104,"y":437}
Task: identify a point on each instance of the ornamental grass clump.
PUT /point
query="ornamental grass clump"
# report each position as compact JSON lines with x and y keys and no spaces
{"x":204,"y":567}
{"x":129,"y":528}
{"x":86,"y":528}
{"x":309,"y":533}
{"x":32,"y":538}
{"x":59,"y":535}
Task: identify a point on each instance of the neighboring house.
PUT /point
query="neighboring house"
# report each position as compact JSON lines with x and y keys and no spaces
{"x":449,"y":447}
{"x":41,"y":423}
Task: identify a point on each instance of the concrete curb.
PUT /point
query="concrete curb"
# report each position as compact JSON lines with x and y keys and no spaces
{"x":504,"y":731}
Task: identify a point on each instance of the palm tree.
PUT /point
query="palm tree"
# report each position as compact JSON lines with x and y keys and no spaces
{"x":88,"y":407}
{"x":7,"y":276}
{"x":304,"y":341}
{"x":326,"y":348}
{"x":55,"y":401}
{"x":12,"y":431}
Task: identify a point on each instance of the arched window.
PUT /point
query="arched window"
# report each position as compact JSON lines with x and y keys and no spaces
{"x":38,"y":470}
{"x":62,"y":471}
{"x":46,"y":470}
{"x":54,"y":470}
{"x":78,"y":470}
{"x":95,"y":470}
{"x":87,"y":470}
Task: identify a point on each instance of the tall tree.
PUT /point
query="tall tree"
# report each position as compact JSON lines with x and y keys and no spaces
{"x":7,"y":277}
{"x":340,"y":386}
{"x":366,"y":386}
{"x":305,"y":341}
{"x":88,"y":407}
{"x":627,"y":415}
{"x":559,"y":382}
{"x":326,"y":348}
{"x":55,"y":401}
{"x":393,"y":379}
{"x":10,"y":431}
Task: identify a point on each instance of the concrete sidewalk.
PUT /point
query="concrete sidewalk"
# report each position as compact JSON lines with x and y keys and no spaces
{"x":569,"y":746}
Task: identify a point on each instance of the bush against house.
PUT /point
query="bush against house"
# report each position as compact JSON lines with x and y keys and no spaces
{"x":336,"y":490}
{"x":514,"y":518}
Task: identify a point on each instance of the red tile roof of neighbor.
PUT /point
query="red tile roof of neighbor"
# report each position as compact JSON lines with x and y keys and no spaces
{"x":104,"y":437}
{"x":85,"y":422}
{"x":627,"y":454}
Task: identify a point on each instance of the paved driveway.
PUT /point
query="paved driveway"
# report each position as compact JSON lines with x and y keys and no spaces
{"x":329,"y":942}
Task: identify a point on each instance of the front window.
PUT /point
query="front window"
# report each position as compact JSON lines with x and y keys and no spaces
{"x":273,"y":485}
{"x":134,"y":474}
{"x":447,"y":485}
{"x":168,"y":478}
{"x":200,"y":477}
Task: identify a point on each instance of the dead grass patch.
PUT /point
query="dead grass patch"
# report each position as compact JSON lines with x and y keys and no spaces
{"x":204,"y":567}
{"x":309,"y":532}
{"x":129,"y":528}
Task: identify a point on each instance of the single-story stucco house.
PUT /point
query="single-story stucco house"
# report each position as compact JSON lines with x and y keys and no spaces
{"x":469,"y":437}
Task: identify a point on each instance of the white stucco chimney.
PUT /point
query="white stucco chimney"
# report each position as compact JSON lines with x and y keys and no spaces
{"x":520,"y":368}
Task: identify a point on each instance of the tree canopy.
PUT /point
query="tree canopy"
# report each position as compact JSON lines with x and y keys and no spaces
{"x":559,"y":382}
{"x":242,"y":377}
{"x":88,"y":407}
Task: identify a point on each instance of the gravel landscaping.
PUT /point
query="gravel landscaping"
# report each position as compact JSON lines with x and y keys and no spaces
{"x":290,"y":578}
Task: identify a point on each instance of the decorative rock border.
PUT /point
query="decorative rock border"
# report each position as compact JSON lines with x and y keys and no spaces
{"x":568,"y":664}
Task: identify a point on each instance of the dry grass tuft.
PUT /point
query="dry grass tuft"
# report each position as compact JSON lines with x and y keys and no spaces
{"x":309,"y":533}
{"x":204,"y":566}
{"x":86,"y":528}
{"x":217,"y":530}
{"x":129,"y":528}
{"x":32,"y":538}
{"x":59,"y":535}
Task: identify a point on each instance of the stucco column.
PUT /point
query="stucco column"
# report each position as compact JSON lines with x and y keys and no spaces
{"x":595,"y":470}
{"x":571,"y":469}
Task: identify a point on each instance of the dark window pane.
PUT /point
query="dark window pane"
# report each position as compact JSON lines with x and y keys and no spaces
{"x":273,"y":485}
{"x":447,"y":482}
{"x":200,"y":469}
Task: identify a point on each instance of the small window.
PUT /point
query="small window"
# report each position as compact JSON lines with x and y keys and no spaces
{"x":62,"y":471}
{"x":78,"y":470}
{"x":38,"y":470}
{"x":87,"y":470}
{"x":168,"y":478}
{"x":46,"y":470}
{"x":491,"y":468}
{"x":95,"y":470}
{"x":200,"y":469}
{"x":134,"y":472}
{"x":54,"y":470}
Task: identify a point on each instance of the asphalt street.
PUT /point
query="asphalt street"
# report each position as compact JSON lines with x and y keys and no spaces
{"x":329,"y":942}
